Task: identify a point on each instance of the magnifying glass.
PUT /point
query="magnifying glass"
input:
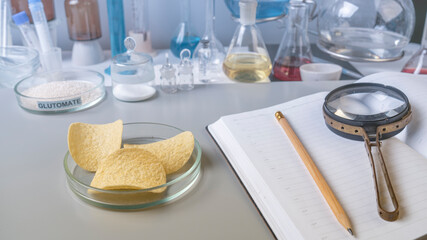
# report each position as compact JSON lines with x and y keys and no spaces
{"x":369,"y":112}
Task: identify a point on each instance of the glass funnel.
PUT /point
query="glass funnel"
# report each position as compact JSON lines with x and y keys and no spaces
{"x":184,"y":36}
{"x":294,"y":50}
{"x":247,"y":57}
{"x":360,"y":30}
{"x":209,"y":52}
{"x":417,"y":64}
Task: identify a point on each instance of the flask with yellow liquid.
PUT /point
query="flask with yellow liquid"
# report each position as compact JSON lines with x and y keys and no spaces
{"x":247,"y":58}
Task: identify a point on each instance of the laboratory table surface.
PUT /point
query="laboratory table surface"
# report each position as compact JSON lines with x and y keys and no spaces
{"x":36,"y":202}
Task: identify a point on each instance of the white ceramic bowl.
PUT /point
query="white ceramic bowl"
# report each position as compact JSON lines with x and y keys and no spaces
{"x":320,"y":71}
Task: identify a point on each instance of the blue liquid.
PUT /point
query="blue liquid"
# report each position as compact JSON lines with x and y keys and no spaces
{"x":189,"y":42}
{"x":116,"y":24}
{"x":265,"y":9}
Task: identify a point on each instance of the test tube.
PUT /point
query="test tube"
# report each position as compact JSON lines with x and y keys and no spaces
{"x":3,"y":23}
{"x":22,"y":5}
{"x":40,"y":23}
{"x":29,"y":35}
{"x":50,"y":55}
{"x":140,"y":31}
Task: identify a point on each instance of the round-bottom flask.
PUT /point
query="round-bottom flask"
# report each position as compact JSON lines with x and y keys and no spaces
{"x":184,"y":37}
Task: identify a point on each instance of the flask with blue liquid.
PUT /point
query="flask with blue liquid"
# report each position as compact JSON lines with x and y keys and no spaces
{"x":184,"y":37}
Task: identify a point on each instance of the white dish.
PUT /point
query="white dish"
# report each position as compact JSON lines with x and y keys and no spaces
{"x":320,"y":71}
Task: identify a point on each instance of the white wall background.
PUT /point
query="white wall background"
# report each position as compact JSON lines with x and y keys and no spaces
{"x":164,"y":17}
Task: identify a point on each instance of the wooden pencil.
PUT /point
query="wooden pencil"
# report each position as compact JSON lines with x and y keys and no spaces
{"x":321,"y":183}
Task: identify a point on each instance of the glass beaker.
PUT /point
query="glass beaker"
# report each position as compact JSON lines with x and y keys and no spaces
{"x":417,"y":64}
{"x":247,"y":57}
{"x":184,"y":36}
{"x":360,"y":30}
{"x":209,"y":52}
{"x":294,"y":50}
{"x":130,"y":73}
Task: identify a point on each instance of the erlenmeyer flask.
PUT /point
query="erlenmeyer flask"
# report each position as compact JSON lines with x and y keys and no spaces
{"x":247,"y":57}
{"x":294,"y":49}
{"x":184,"y":36}
{"x":210,"y":51}
{"x":417,"y":64}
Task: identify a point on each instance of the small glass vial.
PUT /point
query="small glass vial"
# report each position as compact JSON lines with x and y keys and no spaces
{"x":204,"y":56}
{"x":168,"y":78}
{"x":185,"y":71}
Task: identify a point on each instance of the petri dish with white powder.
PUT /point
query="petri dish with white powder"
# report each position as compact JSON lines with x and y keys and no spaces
{"x":60,"y":91}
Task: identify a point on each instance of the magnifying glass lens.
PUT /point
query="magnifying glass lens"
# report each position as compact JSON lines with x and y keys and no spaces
{"x":366,"y":104}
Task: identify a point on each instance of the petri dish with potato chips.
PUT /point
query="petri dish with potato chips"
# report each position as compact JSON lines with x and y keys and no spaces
{"x":182,"y":172}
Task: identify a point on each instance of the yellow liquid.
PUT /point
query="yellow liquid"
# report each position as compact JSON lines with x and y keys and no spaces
{"x":247,"y":67}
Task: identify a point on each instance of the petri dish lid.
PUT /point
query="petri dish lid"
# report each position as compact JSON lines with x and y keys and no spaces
{"x":130,"y":57}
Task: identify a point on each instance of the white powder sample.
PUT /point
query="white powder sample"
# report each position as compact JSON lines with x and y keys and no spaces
{"x":76,"y":92}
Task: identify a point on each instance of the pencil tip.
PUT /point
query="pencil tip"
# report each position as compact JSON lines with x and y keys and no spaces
{"x":350,"y":231}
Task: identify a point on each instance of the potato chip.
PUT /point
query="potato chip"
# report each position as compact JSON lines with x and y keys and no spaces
{"x":89,"y":143}
{"x":128,"y":169}
{"x":173,"y":153}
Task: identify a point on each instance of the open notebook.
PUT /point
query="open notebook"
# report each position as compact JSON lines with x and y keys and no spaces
{"x":273,"y":174}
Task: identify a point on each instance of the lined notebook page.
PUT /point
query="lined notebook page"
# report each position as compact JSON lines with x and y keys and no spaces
{"x":276,"y":178}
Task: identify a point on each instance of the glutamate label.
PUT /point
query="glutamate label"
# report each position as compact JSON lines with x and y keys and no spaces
{"x":62,"y":104}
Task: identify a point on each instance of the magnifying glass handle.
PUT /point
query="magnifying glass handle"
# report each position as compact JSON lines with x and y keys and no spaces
{"x":384,"y":214}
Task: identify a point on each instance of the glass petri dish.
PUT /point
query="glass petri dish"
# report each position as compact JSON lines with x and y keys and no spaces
{"x":177,"y":184}
{"x":17,"y":63}
{"x":60,"y":91}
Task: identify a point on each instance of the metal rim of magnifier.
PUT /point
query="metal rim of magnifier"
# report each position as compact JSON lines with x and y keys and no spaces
{"x":346,"y":127}
{"x":371,"y":132}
